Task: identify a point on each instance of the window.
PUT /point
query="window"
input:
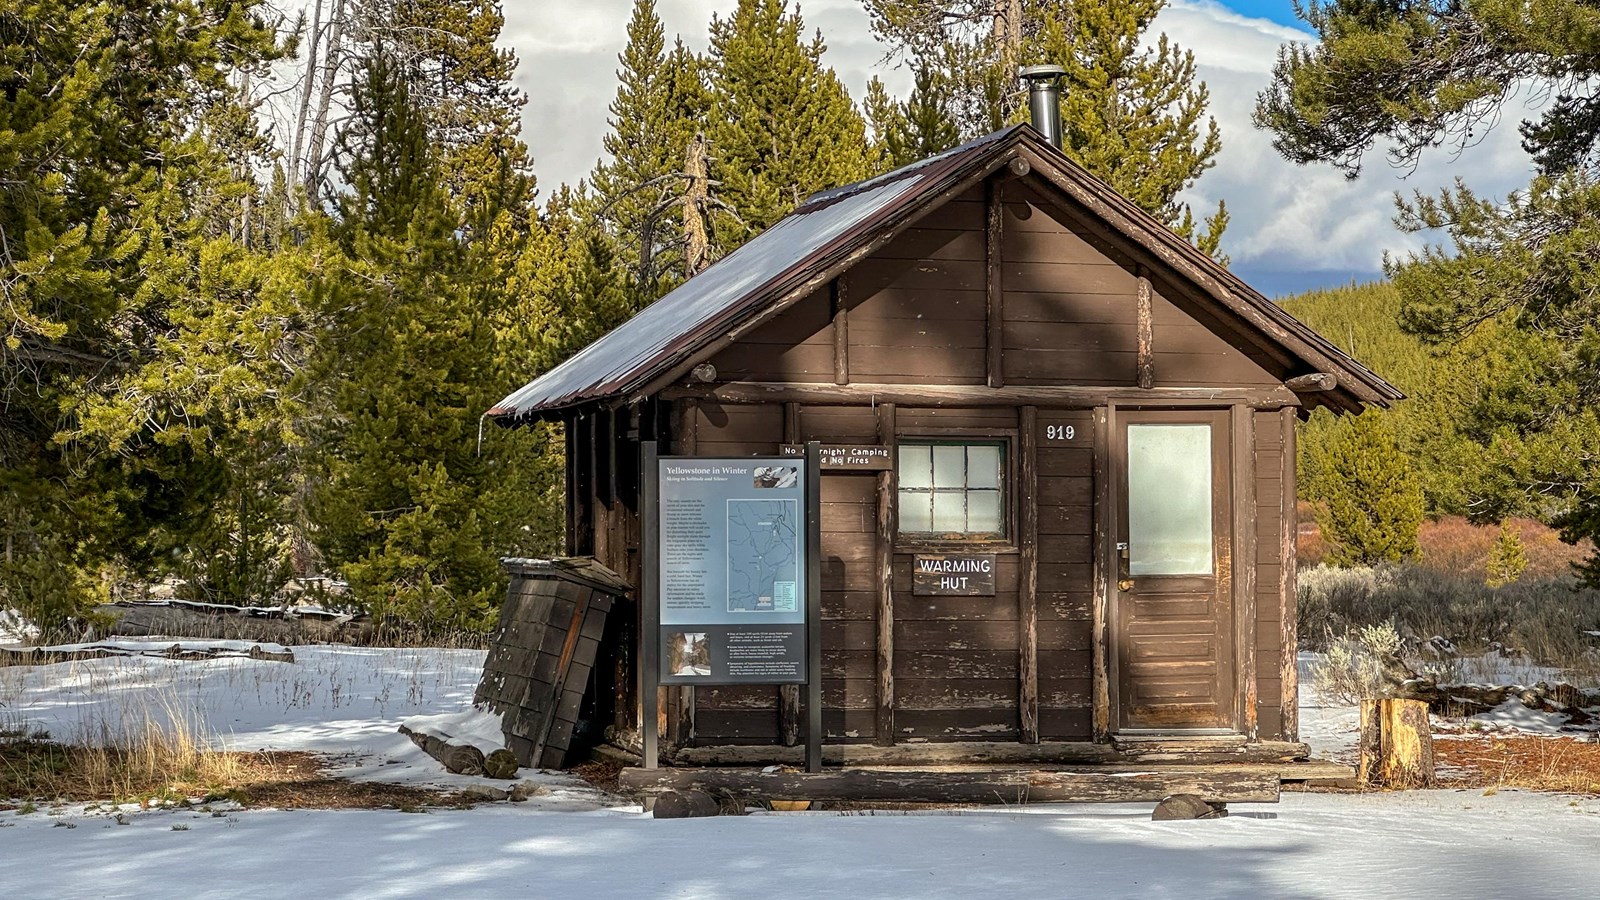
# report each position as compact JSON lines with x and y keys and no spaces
{"x":1169,"y":499}
{"x":952,"y":489}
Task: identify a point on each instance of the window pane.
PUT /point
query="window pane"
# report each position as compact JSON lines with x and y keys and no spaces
{"x":983,"y":466}
{"x":983,"y":511}
{"x":916,"y":512}
{"x":916,"y":467}
{"x":949,"y":466}
{"x":1169,"y":499}
{"x":949,"y":513}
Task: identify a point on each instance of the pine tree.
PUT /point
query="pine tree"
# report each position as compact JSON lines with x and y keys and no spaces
{"x":659,"y":107}
{"x":918,"y":128}
{"x":1369,"y":499}
{"x":100,"y":238}
{"x":1132,"y":114}
{"x":781,"y":124}
{"x":1507,"y":560}
{"x":409,"y":510}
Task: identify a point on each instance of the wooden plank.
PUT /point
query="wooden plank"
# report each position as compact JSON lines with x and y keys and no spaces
{"x":841,"y":331}
{"x":1244,"y":564}
{"x":974,"y":395}
{"x":994,"y":220}
{"x":1104,"y":422}
{"x":1146,"y":328}
{"x":1007,"y":786}
{"x":885,"y":570}
{"x":1287,"y":587}
{"x":1028,"y":586}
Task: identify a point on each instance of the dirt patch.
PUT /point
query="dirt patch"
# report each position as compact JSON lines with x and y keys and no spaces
{"x":43,"y":771}
{"x":1560,"y":764}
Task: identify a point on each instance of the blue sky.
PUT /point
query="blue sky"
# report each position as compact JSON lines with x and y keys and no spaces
{"x":1293,"y":227}
{"x":1280,"y":11}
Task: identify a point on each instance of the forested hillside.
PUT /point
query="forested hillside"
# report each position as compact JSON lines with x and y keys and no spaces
{"x":1449,"y":443}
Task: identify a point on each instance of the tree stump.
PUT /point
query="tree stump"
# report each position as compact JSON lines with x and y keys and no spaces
{"x":1396,"y":744}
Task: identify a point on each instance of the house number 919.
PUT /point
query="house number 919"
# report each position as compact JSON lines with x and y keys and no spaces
{"x":1059,"y":432}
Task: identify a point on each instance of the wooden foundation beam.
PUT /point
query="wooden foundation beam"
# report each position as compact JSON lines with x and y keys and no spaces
{"x":1008,"y":786}
{"x":1052,"y":753}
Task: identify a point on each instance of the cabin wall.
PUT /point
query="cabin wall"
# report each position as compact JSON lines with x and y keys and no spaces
{"x":1061,"y":307}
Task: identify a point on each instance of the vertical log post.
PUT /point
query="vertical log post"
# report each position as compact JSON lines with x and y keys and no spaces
{"x":1105,"y":423}
{"x":789,"y":714}
{"x":1028,"y":576}
{"x":1288,"y":596}
{"x":884,"y":560}
{"x":994,"y":211}
{"x":839,"y":298}
{"x":680,"y":698}
{"x":1147,"y":333}
{"x":1244,"y":568}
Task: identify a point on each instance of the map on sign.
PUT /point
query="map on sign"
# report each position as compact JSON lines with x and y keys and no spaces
{"x":763,"y":555}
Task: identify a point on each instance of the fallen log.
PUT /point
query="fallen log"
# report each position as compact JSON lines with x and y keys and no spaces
{"x":458,"y":757}
{"x":43,"y":656}
{"x":461,"y":756}
{"x":972,"y":786}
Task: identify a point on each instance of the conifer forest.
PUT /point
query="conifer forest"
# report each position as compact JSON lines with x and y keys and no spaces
{"x":264,"y":267}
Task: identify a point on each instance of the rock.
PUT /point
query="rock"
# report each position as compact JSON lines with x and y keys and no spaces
{"x":522,"y":791}
{"x":1187,"y":806}
{"x":685,"y":805}
{"x":500,"y":763}
{"x":485,"y":792}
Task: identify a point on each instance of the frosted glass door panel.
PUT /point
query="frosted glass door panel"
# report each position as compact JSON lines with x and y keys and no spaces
{"x":1169,"y":500}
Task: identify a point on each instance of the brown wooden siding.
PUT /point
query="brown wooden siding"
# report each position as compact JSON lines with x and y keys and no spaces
{"x":1269,"y":519}
{"x":1066,"y":526}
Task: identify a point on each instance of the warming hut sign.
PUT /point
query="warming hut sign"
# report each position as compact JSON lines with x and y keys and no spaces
{"x":733,"y":569}
{"x":955,"y":574}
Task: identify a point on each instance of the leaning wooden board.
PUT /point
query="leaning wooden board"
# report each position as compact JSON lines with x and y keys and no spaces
{"x":542,"y":652}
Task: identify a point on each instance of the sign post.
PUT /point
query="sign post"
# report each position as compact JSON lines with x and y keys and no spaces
{"x":732,"y":572}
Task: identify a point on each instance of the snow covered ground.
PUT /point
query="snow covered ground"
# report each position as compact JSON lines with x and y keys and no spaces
{"x":577,"y":843}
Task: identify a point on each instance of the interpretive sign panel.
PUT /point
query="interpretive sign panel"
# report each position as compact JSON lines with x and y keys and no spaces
{"x":732,"y":570}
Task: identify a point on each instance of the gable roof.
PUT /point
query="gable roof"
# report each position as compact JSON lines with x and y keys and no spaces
{"x":842,"y":224}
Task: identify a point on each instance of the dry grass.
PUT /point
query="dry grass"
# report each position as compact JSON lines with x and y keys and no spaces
{"x":1562,"y":765}
{"x":157,"y":773}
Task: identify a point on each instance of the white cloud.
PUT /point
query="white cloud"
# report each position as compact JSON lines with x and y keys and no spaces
{"x":1287,"y":220}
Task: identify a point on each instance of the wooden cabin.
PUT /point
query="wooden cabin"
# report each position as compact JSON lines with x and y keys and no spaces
{"x":1062,"y":383}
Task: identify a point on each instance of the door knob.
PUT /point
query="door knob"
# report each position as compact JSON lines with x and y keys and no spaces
{"x":1124,"y":573}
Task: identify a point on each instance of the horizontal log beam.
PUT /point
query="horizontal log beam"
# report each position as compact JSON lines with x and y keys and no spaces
{"x":1280,"y":753}
{"x":935,"y":395}
{"x":1314,"y":383}
{"x":981,"y":786}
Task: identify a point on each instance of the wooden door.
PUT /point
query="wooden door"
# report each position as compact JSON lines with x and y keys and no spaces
{"x":1173,"y":620}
